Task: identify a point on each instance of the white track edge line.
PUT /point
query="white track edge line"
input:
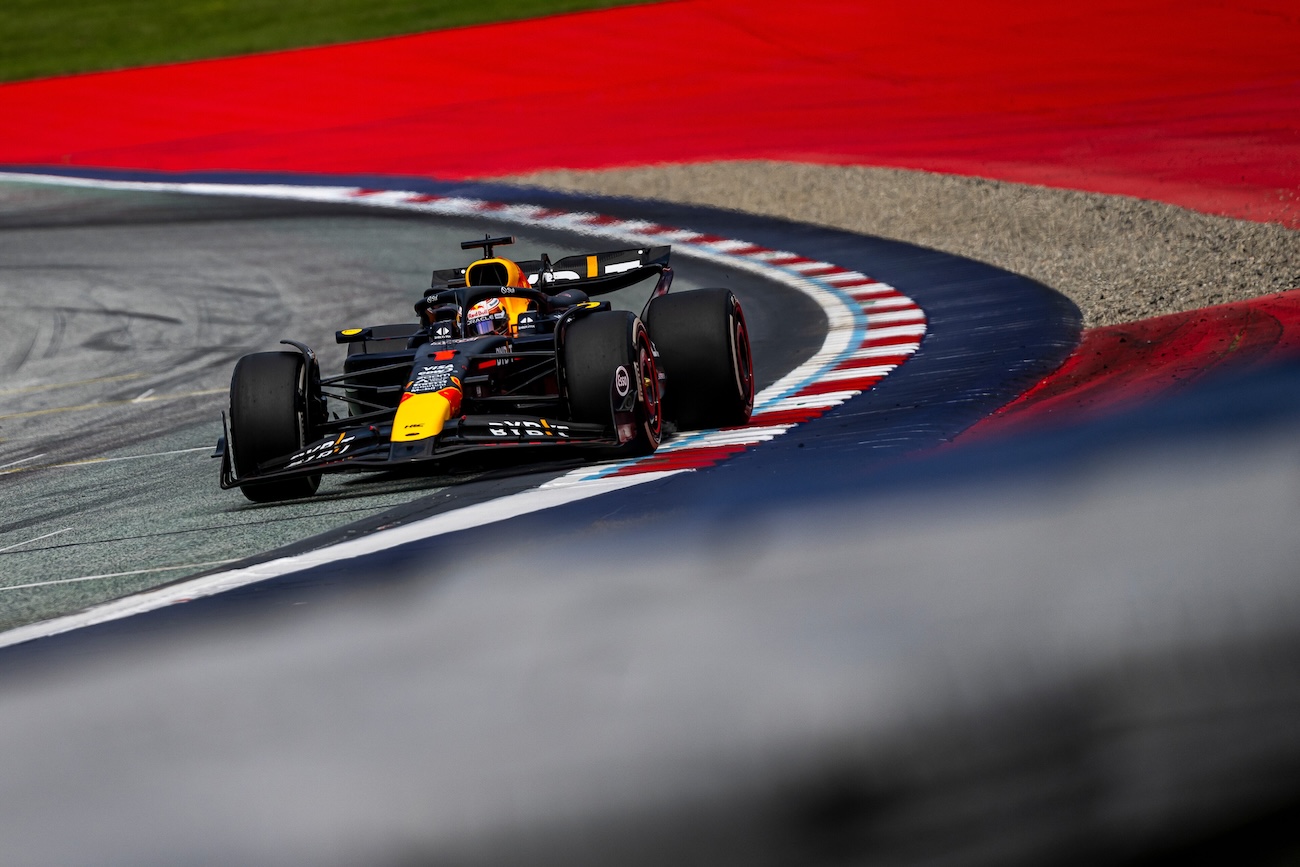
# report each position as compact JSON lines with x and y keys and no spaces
{"x":467,"y":517}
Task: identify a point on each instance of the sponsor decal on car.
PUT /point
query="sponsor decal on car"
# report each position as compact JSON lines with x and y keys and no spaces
{"x":527,"y":428}
{"x":432,"y":378}
{"x":622,"y":381}
{"x":323,"y":450}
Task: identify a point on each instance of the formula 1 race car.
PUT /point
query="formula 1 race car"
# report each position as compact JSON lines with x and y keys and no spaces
{"x":504,"y":355}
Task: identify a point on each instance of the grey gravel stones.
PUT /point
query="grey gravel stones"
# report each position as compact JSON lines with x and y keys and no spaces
{"x":1118,"y":258}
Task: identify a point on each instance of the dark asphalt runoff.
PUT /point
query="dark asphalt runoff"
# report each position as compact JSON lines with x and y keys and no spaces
{"x":125,"y":313}
{"x":1079,"y":649}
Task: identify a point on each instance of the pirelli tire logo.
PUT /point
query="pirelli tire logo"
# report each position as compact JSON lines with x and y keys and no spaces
{"x":529,"y":429}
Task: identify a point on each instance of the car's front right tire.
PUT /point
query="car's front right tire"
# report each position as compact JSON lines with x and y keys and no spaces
{"x":268,"y":420}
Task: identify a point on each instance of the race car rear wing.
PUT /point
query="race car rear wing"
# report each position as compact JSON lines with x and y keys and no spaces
{"x":593,"y":273}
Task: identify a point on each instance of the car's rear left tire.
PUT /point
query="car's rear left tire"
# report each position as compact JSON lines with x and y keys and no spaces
{"x":269,"y":419}
{"x":595,"y":347}
{"x":704,"y":348}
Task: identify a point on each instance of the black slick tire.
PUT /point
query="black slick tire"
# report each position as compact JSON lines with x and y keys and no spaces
{"x":595,"y":347}
{"x":704,"y":349}
{"x":268,"y":420}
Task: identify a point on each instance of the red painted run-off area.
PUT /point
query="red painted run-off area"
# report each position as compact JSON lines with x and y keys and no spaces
{"x":1123,"y":365}
{"x":1196,"y":103}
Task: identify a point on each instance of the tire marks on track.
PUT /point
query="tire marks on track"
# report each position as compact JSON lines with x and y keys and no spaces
{"x":857,"y":308}
{"x":138,"y":521}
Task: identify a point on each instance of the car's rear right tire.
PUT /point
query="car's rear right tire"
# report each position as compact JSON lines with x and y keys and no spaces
{"x":268,"y":419}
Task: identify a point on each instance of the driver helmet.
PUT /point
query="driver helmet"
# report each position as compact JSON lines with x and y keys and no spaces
{"x":487,"y":317}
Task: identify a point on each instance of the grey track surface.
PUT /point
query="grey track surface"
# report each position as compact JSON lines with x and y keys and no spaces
{"x":126,"y":313}
{"x":1118,"y":258}
{"x":1081,"y":654}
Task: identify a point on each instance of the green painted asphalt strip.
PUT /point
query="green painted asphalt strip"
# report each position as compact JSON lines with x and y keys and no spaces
{"x":42,"y":38}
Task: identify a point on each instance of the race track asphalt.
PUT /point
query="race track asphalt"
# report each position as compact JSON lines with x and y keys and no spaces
{"x":1077,"y":648}
{"x":126,"y":312}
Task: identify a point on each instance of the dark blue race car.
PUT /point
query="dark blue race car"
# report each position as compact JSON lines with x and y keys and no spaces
{"x":502,"y":355}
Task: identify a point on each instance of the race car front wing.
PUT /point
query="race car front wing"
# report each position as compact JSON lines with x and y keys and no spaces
{"x":370,"y":447}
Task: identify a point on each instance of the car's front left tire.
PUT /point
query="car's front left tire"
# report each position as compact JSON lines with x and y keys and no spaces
{"x":595,"y":348}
